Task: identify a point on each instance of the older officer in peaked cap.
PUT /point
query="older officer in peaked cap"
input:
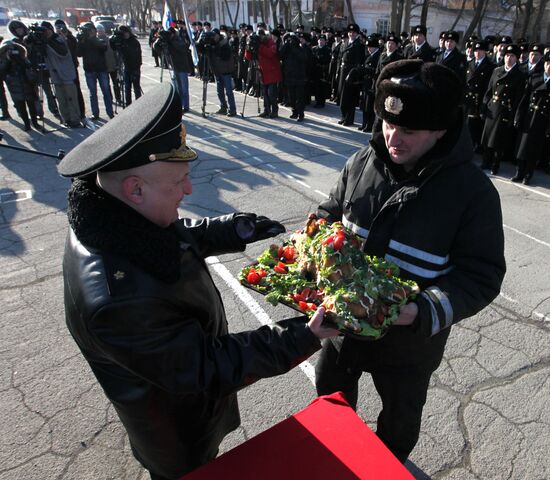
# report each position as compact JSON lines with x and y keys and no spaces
{"x":140,"y":302}
{"x":417,"y":199}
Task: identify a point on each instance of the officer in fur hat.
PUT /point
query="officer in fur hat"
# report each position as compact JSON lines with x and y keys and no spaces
{"x":499,"y":108}
{"x":420,"y":48}
{"x":140,"y":302}
{"x":452,"y":57}
{"x":533,"y":122}
{"x":418,"y":200}
{"x":352,"y":55}
{"x":479,"y":73}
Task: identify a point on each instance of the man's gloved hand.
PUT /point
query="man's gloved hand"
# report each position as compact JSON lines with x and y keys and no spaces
{"x":251,"y":228}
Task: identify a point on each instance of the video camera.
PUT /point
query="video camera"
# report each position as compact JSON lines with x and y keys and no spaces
{"x":84,"y":31}
{"x":36,"y":35}
{"x":291,"y":37}
{"x":253,"y":44}
{"x":207,"y":39}
{"x":116,"y":40}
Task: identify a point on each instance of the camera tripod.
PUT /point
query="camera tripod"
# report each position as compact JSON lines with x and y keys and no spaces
{"x":206,"y":73}
{"x":253,"y":78}
{"x":119,"y":81}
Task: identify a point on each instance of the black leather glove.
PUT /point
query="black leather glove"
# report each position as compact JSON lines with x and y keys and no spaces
{"x":251,"y":228}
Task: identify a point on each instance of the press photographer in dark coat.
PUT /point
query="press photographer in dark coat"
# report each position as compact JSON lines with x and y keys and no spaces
{"x":92,"y":50}
{"x":218,"y":59}
{"x":125,"y":43}
{"x":172,"y":48}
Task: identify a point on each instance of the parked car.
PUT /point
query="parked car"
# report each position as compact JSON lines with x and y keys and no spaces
{"x":109,"y":25}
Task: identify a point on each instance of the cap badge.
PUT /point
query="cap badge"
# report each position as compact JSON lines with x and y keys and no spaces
{"x":393,"y":105}
{"x":119,"y":275}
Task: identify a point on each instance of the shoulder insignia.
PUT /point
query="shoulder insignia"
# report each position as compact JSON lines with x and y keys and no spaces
{"x":120,"y":279}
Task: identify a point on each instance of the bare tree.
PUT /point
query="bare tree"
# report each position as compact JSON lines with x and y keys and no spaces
{"x":479,"y":10}
{"x":424,"y":12}
{"x":231,"y":19}
{"x":407,"y":16}
{"x":274,"y":5}
{"x":351,"y":18}
{"x":535,"y":34}
{"x":459,"y":15}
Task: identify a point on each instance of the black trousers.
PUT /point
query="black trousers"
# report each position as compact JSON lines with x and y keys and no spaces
{"x":402,"y":391}
{"x":296,"y":97}
{"x":271,"y":94}
{"x":3,"y":99}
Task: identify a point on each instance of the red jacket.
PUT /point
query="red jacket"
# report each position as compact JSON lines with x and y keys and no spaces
{"x":268,"y":62}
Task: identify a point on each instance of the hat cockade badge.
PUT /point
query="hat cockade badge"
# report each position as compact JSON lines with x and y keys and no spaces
{"x":393,"y":105}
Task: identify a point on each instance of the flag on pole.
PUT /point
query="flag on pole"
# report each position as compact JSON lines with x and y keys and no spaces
{"x":192,"y":45}
{"x":167,"y":20}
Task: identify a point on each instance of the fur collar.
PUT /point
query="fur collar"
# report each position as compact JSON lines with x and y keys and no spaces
{"x":102,"y":222}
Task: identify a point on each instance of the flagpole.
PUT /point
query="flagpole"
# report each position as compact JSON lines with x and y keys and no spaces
{"x":192,"y":46}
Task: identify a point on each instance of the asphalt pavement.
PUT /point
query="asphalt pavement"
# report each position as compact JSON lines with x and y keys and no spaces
{"x":486,"y":416}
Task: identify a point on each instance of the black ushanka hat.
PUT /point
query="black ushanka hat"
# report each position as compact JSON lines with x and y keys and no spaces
{"x":149,"y":130}
{"x":418,"y":95}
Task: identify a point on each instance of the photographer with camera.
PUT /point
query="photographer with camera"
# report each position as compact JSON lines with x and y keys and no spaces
{"x":172,"y":48}
{"x":125,"y":43}
{"x":35,"y":42}
{"x":218,"y":59}
{"x":20,"y":79}
{"x":262,"y":50}
{"x":63,"y":73}
{"x":92,"y":50}
{"x":295,"y":62}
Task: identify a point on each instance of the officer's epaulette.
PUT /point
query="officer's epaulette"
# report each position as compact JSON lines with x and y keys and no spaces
{"x":120,"y":277}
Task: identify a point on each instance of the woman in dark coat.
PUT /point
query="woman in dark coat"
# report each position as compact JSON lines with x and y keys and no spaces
{"x":500,"y":103}
{"x":17,"y":69}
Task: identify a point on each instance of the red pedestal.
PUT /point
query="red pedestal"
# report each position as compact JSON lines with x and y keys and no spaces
{"x":326,"y":440}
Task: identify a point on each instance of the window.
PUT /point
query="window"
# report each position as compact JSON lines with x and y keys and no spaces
{"x":383,"y":26}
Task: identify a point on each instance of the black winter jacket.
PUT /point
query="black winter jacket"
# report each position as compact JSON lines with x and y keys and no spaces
{"x":295,"y":63}
{"x":92,"y":51}
{"x":131,"y":53}
{"x":143,"y":308}
{"x":442,"y":225}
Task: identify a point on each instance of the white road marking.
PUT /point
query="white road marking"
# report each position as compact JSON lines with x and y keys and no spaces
{"x":258,"y":159}
{"x":530,"y":237}
{"x":253,"y":306}
{"x":532,"y":190}
{"x":323,"y":194}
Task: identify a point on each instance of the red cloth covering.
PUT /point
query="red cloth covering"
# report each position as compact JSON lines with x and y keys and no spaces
{"x":326,"y":440}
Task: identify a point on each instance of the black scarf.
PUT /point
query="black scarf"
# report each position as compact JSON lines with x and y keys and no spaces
{"x":104,"y":223}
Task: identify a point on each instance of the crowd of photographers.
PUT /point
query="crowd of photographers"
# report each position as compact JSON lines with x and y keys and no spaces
{"x":45,"y":55}
{"x":506,"y":85}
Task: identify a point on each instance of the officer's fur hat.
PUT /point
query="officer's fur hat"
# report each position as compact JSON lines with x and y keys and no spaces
{"x":546,"y":57}
{"x":392,"y":37}
{"x":513,"y":49}
{"x":505,"y":39}
{"x":372,"y":42}
{"x":537,"y":47}
{"x":418,"y":95}
{"x":353,"y":27}
{"x":419,"y":29}
{"x":481,"y":45}
{"x":452,"y":35}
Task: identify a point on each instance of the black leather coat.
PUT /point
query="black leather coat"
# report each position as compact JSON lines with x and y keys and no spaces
{"x":144,"y":310}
